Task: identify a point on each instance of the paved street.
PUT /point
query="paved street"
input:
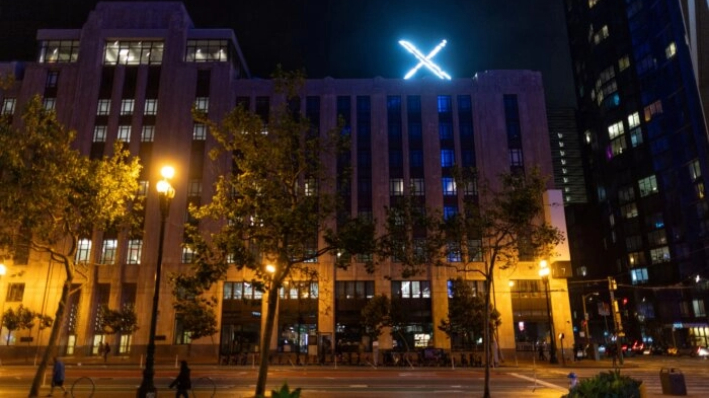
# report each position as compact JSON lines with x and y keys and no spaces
{"x":520,"y":380}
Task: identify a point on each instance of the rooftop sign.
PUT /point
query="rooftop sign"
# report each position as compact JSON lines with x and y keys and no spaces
{"x":425,"y":60}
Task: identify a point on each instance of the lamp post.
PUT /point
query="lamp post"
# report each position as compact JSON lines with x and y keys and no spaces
{"x":165,"y":192}
{"x":544,"y":274}
{"x":585,"y":315}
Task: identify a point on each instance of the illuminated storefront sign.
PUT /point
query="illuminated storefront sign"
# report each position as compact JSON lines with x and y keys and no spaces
{"x":425,"y":60}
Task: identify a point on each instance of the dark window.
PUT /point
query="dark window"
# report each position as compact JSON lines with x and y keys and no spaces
{"x":15,"y":292}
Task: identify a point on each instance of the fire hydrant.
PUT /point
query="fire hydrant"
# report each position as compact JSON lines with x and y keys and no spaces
{"x":573,"y":380}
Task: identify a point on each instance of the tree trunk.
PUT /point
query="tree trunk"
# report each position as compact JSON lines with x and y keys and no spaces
{"x":56,"y":328}
{"x":266,"y":341}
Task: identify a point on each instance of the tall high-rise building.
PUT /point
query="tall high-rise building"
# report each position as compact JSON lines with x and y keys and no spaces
{"x":638,"y":67}
{"x":134,"y":72}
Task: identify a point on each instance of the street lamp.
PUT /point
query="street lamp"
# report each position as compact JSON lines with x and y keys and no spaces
{"x":544,"y":274}
{"x":165,"y":193}
{"x":585,"y":315}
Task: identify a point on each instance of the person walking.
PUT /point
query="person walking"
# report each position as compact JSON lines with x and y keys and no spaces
{"x":106,"y":350}
{"x":57,"y":376}
{"x":182,"y":382}
{"x":540,"y":349}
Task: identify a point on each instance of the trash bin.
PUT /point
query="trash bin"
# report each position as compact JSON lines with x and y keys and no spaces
{"x":672,"y":381}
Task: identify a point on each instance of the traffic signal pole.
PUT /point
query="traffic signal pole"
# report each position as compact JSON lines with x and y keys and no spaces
{"x":617,"y":322}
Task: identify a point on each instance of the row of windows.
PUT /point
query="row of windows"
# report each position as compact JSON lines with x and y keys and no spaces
{"x":147,"y":133}
{"x":133,"y":52}
{"x":127,"y":107}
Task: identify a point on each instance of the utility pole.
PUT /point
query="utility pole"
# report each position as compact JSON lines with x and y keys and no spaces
{"x":612,"y":286}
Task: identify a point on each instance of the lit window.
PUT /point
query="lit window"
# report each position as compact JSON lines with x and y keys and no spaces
{"x":143,"y":187}
{"x":638,"y":275}
{"x":671,"y":50}
{"x":447,"y":158}
{"x":143,"y":52}
{"x":470,"y":188}
{"x":516,"y":156}
{"x":108,"y":251}
{"x":629,"y":211}
{"x":615,"y":130}
{"x":636,"y":137}
{"x":83,"y":250}
{"x":207,"y":51}
{"x":59,"y":51}
{"x":454,"y":253}
{"x":660,"y":255}
{"x":202,"y":104}
{"x":123,"y":133}
{"x":188,"y":255}
{"x":135,"y":249}
{"x":653,"y":109}
{"x":647,"y":186}
{"x":151,"y":106}
{"x":199,"y":132}
{"x":8,"y":106}
{"x":127,"y":106}
{"x":311,"y":187}
{"x":100,"y":133}
{"x":636,"y":258}
{"x":449,"y":212}
{"x":695,"y":171}
{"x":417,"y":187}
{"x":623,"y":63}
{"x":104,"y":107}
{"x":449,"y":188}
{"x":618,"y":145}
{"x":634,"y":120}
{"x":49,"y":104}
{"x":601,"y":34}
{"x":396,"y":187}
{"x":148,"y":134}
{"x":592,"y":3}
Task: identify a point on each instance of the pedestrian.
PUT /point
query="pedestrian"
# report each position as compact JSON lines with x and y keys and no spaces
{"x":57,"y":376}
{"x":540,"y":349}
{"x":106,"y":351}
{"x":613,"y":352}
{"x":182,"y":382}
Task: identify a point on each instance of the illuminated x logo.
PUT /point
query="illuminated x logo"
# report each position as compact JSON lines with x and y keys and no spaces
{"x":425,"y":60}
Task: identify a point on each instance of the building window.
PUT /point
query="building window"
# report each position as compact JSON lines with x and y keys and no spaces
{"x":8,"y":106}
{"x":133,"y":52}
{"x":100,"y":133}
{"x":699,"y":309}
{"x":104,"y":107}
{"x":618,"y":145}
{"x":181,"y":335}
{"x":477,"y":287}
{"x":194,"y":189}
{"x":52,"y":79}
{"x":633,"y":120}
{"x":647,"y":186}
{"x":516,"y":159}
{"x":202,"y":104}
{"x":652,"y":109}
{"x":449,"y":212}
{"x":615,"y":130}
{"x":151,"y":106}
{"x":58,"y":51}
{"x":108,"y":251}
{"x":123,"y":133}
{"x":636,"y":137}
{"x":15,"y":292}
{"x":127,"y":106}
{"x":135,"y":250}
{"x":671,"y":50}
{"x":601,"y":34}
{"x":447,"y":158}
{"x":638,"y":276}
{"x":695,"y":170}
{"x":143,"y":187}
{"x":350,"y":290}
{"x":148,"y":134}
{"x":396,"y":187}
{"x":49,"y":104}
{"x":449,"y":188}
{"x":411,"y":289}
{"x":623,"y":63}
{"x":636,"y":258}
{"x":199,"y":132}
{"x":188,"y":255}
{"x":299,"y":290}
{"x":417,"y":187}
{"x":207,"y":51}
{"x":660,"y":255}
{"x":629,"y":211}
{"x":657,"y":237}
{"x":454,"y":253}
{"x":634,"y":242}
{"x":83,"y":250}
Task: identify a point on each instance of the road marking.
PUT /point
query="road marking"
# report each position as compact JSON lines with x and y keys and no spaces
{"x":358,"y":386}
{"x":541,"y":382}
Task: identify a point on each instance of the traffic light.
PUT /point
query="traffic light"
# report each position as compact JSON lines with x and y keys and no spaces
{"x":625,"y":300}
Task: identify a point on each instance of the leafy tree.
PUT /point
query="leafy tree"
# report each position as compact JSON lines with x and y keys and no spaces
{"x":123,"y":321}
{"x":466,"y":314}
{"x":504,"y":220}
{"x":381,"y":312}
{"x":52,"y":196}
{"x":272,"y":205}
{"x":16,"y":320}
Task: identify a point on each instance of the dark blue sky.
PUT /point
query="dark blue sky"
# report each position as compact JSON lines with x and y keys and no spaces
{"x":352,"y":38}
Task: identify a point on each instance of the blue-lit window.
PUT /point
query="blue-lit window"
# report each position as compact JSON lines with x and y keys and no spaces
{"x":449,"y":188}
{"x":516,"y":159}
{"x":445,"y":131}
{"x":450,"y":212}
{"x":416,"y":158}
{"x":454,"y":253}
{"x":444,"y":104}
{"x":447,"y":158}
{"x":638,"y":275}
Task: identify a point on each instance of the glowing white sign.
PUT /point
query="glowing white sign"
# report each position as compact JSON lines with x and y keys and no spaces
{"x":425,"y":60}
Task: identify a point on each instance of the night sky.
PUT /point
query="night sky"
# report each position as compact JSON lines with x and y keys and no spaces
{"x":352,"y":38}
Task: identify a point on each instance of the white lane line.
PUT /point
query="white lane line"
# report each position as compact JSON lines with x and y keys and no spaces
{"x":540,"y":382}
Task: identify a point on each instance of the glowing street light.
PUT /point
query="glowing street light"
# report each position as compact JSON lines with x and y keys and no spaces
{"x":544,"y":274}
{"x":165,"y":193}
